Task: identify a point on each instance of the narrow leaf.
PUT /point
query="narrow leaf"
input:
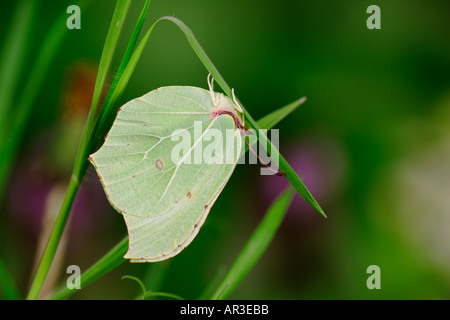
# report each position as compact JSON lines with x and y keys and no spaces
{"x":270,"y":120}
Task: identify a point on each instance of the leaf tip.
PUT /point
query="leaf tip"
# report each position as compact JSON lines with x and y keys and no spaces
{"x":319,"y":209}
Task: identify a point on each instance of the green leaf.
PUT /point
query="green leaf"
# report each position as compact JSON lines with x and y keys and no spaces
{"x":273,"y":118}
{"x":255,"y":246}
{"x":270,"y":120}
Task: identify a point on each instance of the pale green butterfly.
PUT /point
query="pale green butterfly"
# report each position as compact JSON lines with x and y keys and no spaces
{"x":165,"y":202}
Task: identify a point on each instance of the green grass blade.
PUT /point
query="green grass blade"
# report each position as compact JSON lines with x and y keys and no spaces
{"x":110,"y":261}
{"x":13,"y":56}
{"x":80,"y":162}
{"x":255,"y":246}
{"x":270,"y":120}
{"x":8,"y":289}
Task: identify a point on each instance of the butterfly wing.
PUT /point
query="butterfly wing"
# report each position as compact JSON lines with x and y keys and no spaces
{"x":164,"y":196}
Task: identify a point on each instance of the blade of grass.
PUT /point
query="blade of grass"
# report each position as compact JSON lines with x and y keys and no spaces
{"x":255,"y":246}
{"x":117,"y":21}
{"x":7,"y":286}
{"x":270,"y":120}
{"x":111,"y":260}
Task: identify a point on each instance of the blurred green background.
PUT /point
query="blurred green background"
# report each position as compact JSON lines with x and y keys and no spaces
{"x":372,"y":143}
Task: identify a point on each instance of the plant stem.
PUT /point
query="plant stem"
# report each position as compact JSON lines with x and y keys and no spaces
{"x":53,"y":241}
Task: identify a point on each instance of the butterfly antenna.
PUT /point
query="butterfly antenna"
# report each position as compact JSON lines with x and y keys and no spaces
{"x":238,"y":107}
{"x":210,"y":81}
{"x":277,"y":173}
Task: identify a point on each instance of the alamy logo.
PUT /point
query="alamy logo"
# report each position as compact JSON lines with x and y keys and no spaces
{"x":73,"y":281}
{"x":74,"y":20}
{"x":374,"y":20}
{"x":373,"y":281}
